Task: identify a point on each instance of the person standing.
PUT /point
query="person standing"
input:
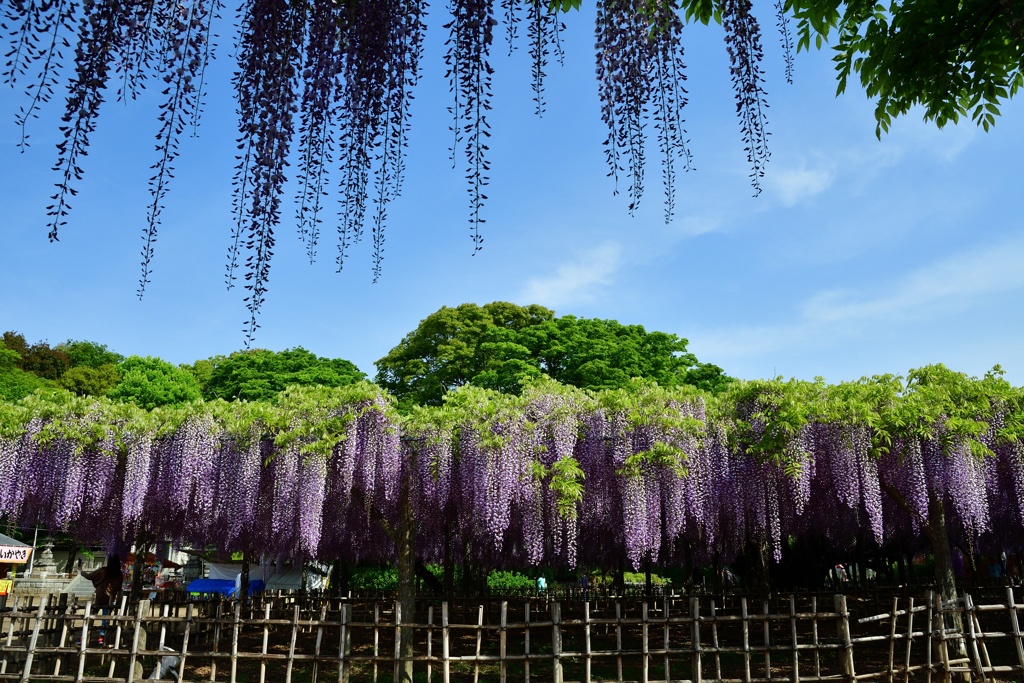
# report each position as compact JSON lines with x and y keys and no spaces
{"x":107,"y":583}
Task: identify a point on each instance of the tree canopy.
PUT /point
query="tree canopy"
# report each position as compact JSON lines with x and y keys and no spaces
{"x":260,"y":375}
{"x":151,"y":382}
{"x":335,"y":80}
{"x":502,"y":346}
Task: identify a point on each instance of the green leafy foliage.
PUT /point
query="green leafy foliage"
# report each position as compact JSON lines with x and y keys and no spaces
{"x":89,"y":354}
{"x":259,"y":374}
{"x":89,"y":381}
{"x":504,"y":347}
{"x":150,"y":382}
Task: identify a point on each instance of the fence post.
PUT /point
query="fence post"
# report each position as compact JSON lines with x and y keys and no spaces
{"x":526,"y":643}
{"x":140,"y":609}
{"x":344,"y":643}
{"x":792,"y":628}
{"x":843,"y":626}
{"x":695,"y":636}
{"x":1016,"y":628}
{"x":398,"y":639}
{"x":644,"y":646}
{"x":969,"y":616}
{"x":445,"y":635}
{"x":556,"y":642}
{"x":503,"y":641}
{"x":34,"y":639}
{"x":940,"y":623}
{"x":746,"y":638}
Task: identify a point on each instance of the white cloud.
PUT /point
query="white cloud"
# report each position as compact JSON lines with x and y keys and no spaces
{"x":577,"y":281}
{"x":794,"y":184}
{"x":935,"y":292}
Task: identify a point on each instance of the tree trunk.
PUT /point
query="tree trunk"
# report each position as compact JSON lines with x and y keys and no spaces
{"x":141,"y":551}
{"x":244,"y":583}
{"x":938,"y":534}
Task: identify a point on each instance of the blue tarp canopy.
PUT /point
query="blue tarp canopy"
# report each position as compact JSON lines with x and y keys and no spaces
{"x":225,"y":587}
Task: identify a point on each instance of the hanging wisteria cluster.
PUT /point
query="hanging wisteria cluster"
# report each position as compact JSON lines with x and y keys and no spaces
{"x":338,"y":78}
{"x":555,"y":476}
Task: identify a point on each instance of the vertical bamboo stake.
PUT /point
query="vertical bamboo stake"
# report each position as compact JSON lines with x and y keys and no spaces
{"x":184,"y":643}
{"x":843,"y":626}
{"x":792,"y":629}
{"x":969,"y":617}
{"x":376,"y":639}
{"x":940,"y":620}
{"x":910,"y":637}
{"x":142,"y":607}
{"x":1015,"y":625}
{"x":526,"y":643}
{"x":430,"y":643}
{"x":479,"y":640}
{"x":444,"y":642}
{"x":556,"y":642}
{"x":930,"y":620}
{"x":767,"y":641}
{"x":121,"y":611}
{"x":344,"y":643}
{"x":667,"y":639}
{"x":320,"y":639}
{"x":236,"y":616}
{"x":714,"y":642}
{"x":63,"y":636}
{"x":892,"y":636}
{"x":981,"y":638}
{"x":746,"y":639}
{"x":291,"y":646}
{"x":398,"y":639}
{"x":814,"y":633}
{"x":82,"y":643}
{"x":263,"y":651}
{"x":695,"y":641}
{"x":618,"y":641}
{"x":586,"y":642}
{"x":645,"y":649}
{"x":35,"y":638}
{"x":10,"y":632}
{"x":216,"y":639}
{"x":503,"y":642}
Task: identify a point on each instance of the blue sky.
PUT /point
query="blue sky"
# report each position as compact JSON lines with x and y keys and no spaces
{"x":860,"y":257}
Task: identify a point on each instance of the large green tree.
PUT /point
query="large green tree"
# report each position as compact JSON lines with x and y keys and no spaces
{"x":259,"y":374}
{"x":150,"y":382}
{"x":501,"y":345}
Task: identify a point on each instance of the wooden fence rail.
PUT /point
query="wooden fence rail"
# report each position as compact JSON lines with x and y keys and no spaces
{"x":290,"y":638}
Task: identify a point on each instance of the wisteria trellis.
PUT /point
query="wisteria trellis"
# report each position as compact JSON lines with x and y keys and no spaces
{"x":557,"y":476}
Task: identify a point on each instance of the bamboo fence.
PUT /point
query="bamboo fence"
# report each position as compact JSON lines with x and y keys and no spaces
{"x":729,"y":639}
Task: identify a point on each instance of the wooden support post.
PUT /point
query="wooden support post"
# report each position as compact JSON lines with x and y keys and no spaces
{"x":910,"y":639}
{"x":263,"y":651}
{"x":586,"y":642}
{"x":64,"y":618}
{"x":216,"y":639}
{"x":843,"y":628}
{"x":320,"y":640}
{"x":376,"y":639}
{"x":892,"y":636}
{"x":644,"y":646}
{"x":503,"y":643}
{"x":695,"y":639}
{"x":445,"y":636}
{"x":236,"y":625}
{"x":27,"y":672}
{"x":792,"y":631}
{"x":82,"y":643}
{"x":767,"y":641}
{"x":344,"y":643}
{"x":667,"y":604}
{"x":745,"y":616}
{"x":940,"y":622}
{"x":714,"y":642}
{"x":556,"y":642}
{"x":972,"y":636}
{"x":10,"y":633}
{"x":1015,"y":625}
{"x":291,"y":646}
{"x":398,"y":639}
{"x":430,"y":643}
{"x":479,"y":642}
{"x":618,"y":641}
{"x":141,"y":609}
{"x":526,"y":643}
{"x":184,"y":643}
{"x":930,"y":628}
{"x":814,"y":635}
